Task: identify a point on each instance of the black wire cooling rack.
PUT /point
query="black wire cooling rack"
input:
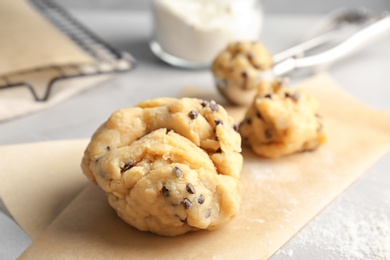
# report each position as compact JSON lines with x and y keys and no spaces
{"x":107,"y":59}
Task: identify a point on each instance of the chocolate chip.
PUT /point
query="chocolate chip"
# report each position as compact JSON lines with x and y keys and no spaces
{"x":168,"y":130}
{"x":201,"y":199}
{"x":258,"y":66}
{"x":268,"y":96}
{"x":216,"y":138}
{"x":205,"y":103}
{"x":127,"y":166}
{"x":190,"y":188}
{"x":244,"y":75}
{"x":258,"y":115}
{"x":219,"y":150}
{"x":235,"y":127}
{"x":184,"y":220}
{"x":193,"y":114}
{"x":177,"y":172}
{"x":249,"y":121}
{"x":207,"y":213}
{"x":165,"y":191}
{"x":268,"y":134}
{"x":97,"y":160}
{"x":218,"y":122}
{"x":296,"y":96}
{"x":108,"y":148}
{"x":214,"y":107}
{"x":187,"y":203}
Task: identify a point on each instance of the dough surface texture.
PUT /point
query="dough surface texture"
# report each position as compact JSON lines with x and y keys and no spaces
{"x":168,"y":166}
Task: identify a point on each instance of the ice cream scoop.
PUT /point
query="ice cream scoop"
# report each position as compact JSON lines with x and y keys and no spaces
{"x":341,"y":34}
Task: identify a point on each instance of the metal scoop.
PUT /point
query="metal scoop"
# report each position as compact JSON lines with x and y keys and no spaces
{"x":343,"y":33}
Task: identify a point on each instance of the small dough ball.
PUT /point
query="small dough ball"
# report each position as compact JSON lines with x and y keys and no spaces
{"x":168,"y":165}
{"x":241,"y":63}
{"x":281,"y":122}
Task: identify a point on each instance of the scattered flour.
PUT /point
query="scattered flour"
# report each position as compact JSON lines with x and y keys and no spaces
{"x":347,"y":235}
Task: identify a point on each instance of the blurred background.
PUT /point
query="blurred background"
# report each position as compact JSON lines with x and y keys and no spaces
{"x":270,"y":6}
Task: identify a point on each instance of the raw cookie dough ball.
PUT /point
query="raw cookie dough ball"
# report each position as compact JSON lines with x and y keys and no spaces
{"x":168,"y":165}
{"x":281,"y":122}
{"x":241,"y":63}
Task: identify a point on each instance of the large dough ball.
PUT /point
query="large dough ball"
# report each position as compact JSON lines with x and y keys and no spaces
{"x":168,"y":166}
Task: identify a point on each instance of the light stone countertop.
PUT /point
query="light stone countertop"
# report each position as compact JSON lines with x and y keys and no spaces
{"x":364,"y":75}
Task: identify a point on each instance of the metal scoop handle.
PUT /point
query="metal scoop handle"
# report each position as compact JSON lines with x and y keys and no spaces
{"x":351,"y":45}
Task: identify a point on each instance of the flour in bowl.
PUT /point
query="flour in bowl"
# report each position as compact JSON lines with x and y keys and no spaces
{"x":196,"y":30}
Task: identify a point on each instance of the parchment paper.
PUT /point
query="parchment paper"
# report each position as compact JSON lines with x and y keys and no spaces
{"x":39,"y":180}
{"x":29,"y":41}
{"x":280,"y":196}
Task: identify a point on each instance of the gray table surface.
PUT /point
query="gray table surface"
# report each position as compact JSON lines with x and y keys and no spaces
{"x":355,"y":226}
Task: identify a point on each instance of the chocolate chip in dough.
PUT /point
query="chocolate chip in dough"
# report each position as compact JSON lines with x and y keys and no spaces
{"x":201,"y":199}
{"x":218,"y":122}
{"x":268,"y":96}
{"x":249,"y":121}
{"x":268,"y":134}
{"x":296,"y":96}
{"x":205,"y":103}
{"x":214,"y":107}
{"x":177,"y":172}
{"x":190,"y":188}
{"x":193,"y":114}
{"x":235,"y":127}
{"x":127,"y":166}
{"x":187,"y":203}
{"x":258,"y":115}
{"x":102,"y":174}
{"x":108,"y":148}
{"x":165,"y":191}
{"x":219,"y":150}
{"x":207,"y":213}
{"x":244,"y":76}
{"x":258,"y":66}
